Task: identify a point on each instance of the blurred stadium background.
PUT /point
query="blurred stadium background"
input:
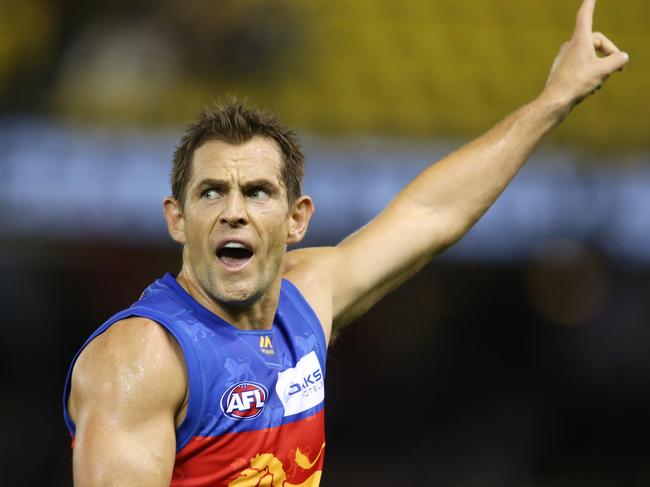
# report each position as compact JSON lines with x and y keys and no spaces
{"x":519,"y":358}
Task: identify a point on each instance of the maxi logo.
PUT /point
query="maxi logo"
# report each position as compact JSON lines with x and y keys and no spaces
{"x":301,"y":387}
{"x":244,"y":400}
{"x":266,"y":345}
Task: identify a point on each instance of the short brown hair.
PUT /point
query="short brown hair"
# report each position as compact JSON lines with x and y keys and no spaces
{"x":236,"y":123}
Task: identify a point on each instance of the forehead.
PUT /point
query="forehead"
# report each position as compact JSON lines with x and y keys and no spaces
{"x":259,"y":157}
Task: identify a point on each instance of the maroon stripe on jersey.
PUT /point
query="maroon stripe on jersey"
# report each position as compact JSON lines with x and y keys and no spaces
{"x":286,"y":455}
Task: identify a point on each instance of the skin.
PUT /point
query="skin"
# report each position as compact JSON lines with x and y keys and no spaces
{"x":236,"y":192}
{"x":129,"y":386}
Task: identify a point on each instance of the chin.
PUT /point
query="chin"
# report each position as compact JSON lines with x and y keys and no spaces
{"x":238,"y":295}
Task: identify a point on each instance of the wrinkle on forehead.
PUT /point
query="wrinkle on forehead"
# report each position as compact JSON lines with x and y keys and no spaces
{"x":256,"y":157}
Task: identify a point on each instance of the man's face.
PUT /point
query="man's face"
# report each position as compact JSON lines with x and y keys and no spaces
{"x":236,"y":219}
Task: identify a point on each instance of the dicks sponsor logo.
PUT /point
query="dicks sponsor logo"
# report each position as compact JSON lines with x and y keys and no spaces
{"x":301,"y":387}
{"x":310,"y":383}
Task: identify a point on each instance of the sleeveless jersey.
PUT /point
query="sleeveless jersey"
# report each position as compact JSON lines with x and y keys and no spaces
{"x":255,"y":413}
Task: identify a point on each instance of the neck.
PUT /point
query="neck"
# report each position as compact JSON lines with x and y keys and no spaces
{"x":258,"y":315}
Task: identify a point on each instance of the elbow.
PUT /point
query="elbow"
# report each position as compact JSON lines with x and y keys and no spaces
{"x":449,"y":233}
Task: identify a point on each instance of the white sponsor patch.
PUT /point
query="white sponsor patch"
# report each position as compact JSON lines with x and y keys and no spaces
{"x":301,"y":387}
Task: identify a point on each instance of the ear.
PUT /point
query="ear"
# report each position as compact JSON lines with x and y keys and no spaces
{"x":299,"y":218}
{"x":175,"y":221}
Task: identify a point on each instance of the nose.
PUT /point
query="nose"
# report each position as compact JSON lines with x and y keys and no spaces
{"x":234,"y":212}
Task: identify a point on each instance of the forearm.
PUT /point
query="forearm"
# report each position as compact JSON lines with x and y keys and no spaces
{"x":443,"y":202}
{"x":452,"y":194}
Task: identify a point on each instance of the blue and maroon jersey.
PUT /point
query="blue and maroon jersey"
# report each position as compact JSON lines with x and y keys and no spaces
{"x":255,"y":413}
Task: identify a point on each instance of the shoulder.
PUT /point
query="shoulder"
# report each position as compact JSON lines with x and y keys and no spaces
{"x":310,"y":270}
{"x":133,"y":365}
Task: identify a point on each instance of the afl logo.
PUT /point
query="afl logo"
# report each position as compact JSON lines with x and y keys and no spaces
{"x":244,"y":400}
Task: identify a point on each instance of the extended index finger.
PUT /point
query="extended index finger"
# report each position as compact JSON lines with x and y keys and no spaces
{"x":585,"y":18}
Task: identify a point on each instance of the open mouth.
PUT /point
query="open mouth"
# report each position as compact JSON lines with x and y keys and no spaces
{"x":234,"y":254}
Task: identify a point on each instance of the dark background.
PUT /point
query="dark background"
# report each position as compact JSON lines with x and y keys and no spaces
{"x":457,"y":378}
{"x":517,"y":359}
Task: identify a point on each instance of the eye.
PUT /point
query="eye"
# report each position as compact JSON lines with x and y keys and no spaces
{"x":210,"y":194}
{"x":258,"y":193}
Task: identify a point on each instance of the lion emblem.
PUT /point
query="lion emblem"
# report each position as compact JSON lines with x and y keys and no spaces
{"x":267,"y":470}
{"x":238,"y":370}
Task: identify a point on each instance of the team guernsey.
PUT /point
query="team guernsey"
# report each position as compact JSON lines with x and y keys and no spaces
{"x":255,"y":413}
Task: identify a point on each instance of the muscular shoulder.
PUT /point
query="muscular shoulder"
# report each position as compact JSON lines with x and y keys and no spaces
{"x":132,"y":369}
{"x":310,"y":270}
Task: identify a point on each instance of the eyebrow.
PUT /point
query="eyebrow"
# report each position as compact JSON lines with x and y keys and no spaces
{"x":212,"y":182}
{"x":223,"y":183}
{"x":267,"y":184}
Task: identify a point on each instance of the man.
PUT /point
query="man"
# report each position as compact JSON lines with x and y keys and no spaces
{"x":216,"y":377}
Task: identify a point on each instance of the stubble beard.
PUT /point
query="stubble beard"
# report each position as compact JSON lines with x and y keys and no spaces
{"x":243,"y":291}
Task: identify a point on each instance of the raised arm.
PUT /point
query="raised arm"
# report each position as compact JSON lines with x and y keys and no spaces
{"x":441,"y":204}
{"x":128,"y":386}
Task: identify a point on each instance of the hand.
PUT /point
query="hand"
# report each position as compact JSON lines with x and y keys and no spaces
{"x":578,"y":71}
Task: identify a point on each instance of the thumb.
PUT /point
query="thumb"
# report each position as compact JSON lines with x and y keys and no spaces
{"x":615,"y":61}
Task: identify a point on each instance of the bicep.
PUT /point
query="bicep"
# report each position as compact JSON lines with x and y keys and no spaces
{"x":111,"y":451}
{"x":126,"y":388}
{"x":379,"y":257}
